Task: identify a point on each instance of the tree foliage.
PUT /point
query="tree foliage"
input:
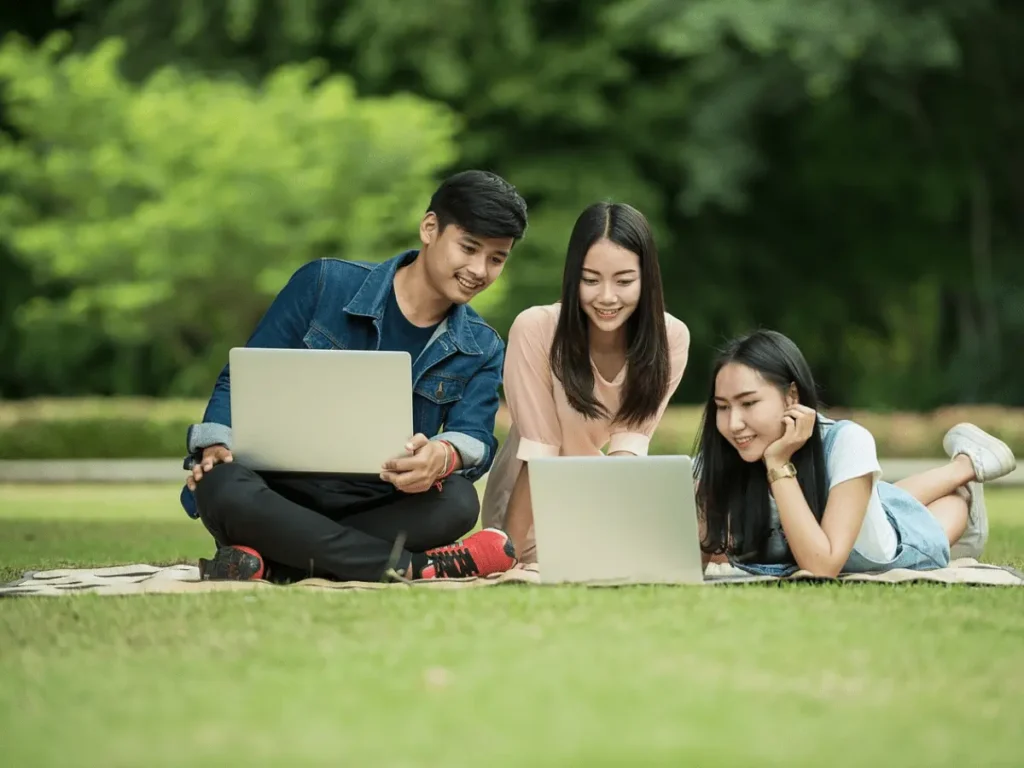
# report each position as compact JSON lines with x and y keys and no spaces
{"x":174,"y":208}
{"x":851,"y":173}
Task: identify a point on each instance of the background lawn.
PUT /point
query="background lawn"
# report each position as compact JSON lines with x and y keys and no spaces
{"x":790,"y":675}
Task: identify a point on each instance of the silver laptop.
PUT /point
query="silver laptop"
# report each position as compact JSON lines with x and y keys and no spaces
{"x":615,"y":520}
{"x":305,"y":410}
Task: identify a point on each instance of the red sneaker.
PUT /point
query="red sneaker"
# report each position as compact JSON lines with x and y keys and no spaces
{"x":232,"y":564}
{"x":485,"y":552}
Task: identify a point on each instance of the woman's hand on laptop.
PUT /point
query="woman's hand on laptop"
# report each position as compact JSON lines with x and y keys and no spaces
{"x":215,"y":454}
{"x":425,"y":461}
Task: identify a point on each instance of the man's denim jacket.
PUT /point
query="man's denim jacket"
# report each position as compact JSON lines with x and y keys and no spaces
{"x":335,"y":304}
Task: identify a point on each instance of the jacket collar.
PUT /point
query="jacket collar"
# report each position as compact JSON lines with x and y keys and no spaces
{"x":372,"y":297}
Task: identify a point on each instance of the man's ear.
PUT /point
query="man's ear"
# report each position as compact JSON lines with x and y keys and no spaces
{"x":792,"y":395}
{"x":428,"y":228}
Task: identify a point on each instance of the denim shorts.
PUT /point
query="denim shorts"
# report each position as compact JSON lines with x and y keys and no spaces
{"x":921,"y":542}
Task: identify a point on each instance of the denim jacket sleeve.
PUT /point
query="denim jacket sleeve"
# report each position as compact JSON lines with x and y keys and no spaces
{"x":469,"y":425}
{"x":282,"y":326}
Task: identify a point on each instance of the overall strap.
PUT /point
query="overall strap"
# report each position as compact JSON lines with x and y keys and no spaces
{"x":829,"y":431}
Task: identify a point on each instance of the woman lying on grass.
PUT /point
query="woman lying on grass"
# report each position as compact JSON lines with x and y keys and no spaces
{"x":782,"y":488}
{"x":595,"y":370}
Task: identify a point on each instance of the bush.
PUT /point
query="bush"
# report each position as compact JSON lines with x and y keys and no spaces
{"x":114,"y":428}
{"x":129,"y":428}
{"x":162,"y":217}
{"x":897,"y":435}
{"x":912,"y":435}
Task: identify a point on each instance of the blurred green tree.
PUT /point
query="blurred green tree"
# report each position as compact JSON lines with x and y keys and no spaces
{"x":850,"y":173}
{"x":175,"y":208}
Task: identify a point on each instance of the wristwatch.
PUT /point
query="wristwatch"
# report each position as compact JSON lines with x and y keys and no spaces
{"x":777,"y":473}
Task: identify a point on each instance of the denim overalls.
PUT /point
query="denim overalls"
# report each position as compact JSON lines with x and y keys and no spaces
{"x":921,"y":542}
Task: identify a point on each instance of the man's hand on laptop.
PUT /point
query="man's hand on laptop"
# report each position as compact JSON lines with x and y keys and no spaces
{"x":215,"y":454}
{"x":425,"y":461}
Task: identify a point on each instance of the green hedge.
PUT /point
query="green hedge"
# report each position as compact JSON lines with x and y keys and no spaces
{"x":117,"y":428}
{"x":96,"y":428}
{"x":897,"y":435}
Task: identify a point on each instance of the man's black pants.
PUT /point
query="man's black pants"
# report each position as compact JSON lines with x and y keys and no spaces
{"x":332,"y":527}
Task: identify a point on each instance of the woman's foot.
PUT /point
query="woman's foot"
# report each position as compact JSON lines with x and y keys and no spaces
{"x":991,"y":459}
{"x":990,"y":456}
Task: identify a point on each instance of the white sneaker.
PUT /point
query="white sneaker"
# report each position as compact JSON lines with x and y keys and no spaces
{"x":975,"y":537}
{"x":991,"y":457}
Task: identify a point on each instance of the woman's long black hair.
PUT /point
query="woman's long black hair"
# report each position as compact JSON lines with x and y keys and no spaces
{"x":647,"y":353}
{"x":732,"y":495}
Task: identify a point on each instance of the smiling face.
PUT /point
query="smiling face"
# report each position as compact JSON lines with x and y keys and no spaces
{"x":749,"y":409}
{"x":459,"y":264}
{"x":610,"y":285}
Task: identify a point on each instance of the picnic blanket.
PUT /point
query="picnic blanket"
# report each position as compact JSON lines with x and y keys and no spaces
{"x":139,"y":579}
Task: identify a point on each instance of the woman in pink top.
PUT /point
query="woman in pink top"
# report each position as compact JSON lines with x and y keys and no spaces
{"x":593,"y":371}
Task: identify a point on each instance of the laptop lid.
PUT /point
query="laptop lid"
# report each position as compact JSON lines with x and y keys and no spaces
{"x":305,"y":410}
{"x":615,"y":520}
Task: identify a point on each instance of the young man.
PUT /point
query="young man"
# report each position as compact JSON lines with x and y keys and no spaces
{"x":286,"y":527}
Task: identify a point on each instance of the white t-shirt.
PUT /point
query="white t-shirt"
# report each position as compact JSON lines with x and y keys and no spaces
{"x":854,"y":455}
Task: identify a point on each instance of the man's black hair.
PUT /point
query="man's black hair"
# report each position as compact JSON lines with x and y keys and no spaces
{"x":480,"y":202}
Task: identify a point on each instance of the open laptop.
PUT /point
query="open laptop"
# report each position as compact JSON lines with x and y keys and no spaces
{"x":305,"y":410}
{"x":615,"y":520}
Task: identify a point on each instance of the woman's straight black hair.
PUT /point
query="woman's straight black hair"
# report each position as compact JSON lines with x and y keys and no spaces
{"x":647,"y":353}
{"x":732,"y":494}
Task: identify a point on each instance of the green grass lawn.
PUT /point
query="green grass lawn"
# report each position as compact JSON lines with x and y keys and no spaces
{"x":792,"y":675}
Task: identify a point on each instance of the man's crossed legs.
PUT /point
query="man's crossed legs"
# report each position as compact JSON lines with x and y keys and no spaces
{"x":285,"y":527}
